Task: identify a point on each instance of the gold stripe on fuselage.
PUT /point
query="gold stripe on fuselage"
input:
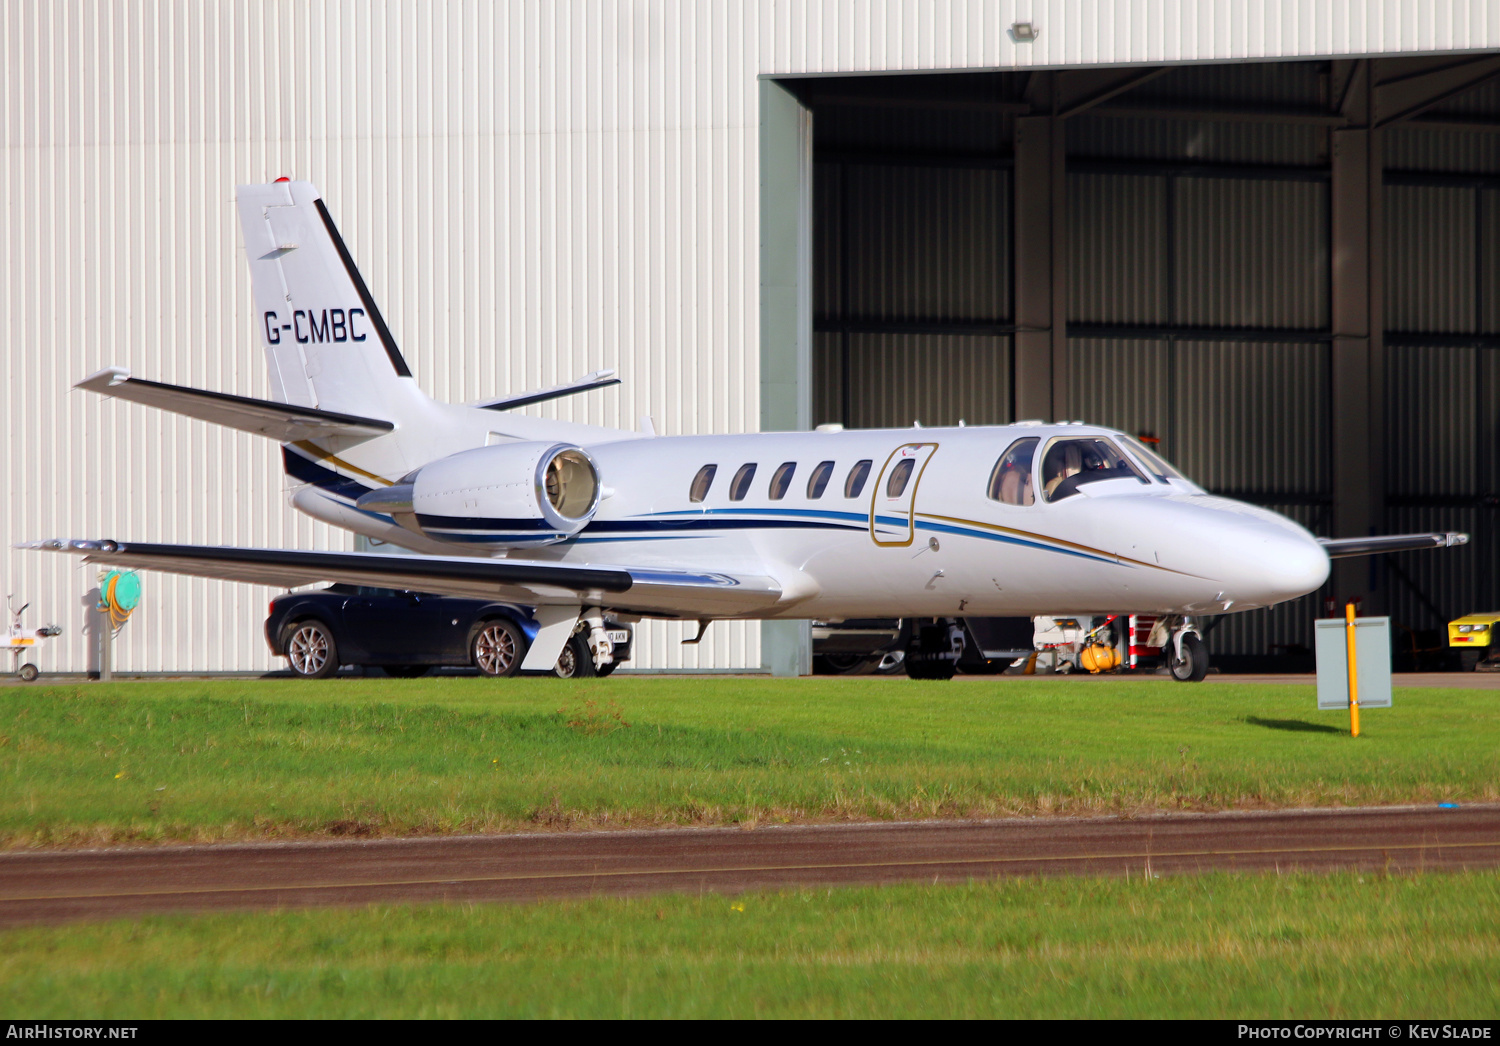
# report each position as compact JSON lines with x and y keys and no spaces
{"x":1056,"y":541}
{"x":322,"y":455}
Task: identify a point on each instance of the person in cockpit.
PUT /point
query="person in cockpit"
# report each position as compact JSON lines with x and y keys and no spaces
{"x":1064,"y":461}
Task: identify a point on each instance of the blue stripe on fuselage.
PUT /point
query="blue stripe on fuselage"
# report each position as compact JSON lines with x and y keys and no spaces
{"x":699,"y":523}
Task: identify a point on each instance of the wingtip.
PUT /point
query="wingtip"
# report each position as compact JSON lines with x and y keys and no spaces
{"x":104,"y":380}
{"x":85,"y":546}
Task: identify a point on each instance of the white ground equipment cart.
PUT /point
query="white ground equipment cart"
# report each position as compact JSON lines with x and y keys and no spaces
{"x":1119,"y":643}
{"x":21,"y":641}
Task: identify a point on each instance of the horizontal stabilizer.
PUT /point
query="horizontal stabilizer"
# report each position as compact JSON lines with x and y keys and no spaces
{"x":1342,"y":548}
{"x":653,"y":591}
{"x":283,"y":422}
{"x":597,"y":380}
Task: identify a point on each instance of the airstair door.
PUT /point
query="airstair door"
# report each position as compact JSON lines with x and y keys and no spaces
{"x":893,"y":502}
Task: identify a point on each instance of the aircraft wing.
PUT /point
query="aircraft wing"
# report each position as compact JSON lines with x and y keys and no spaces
{"x":653,"y":591}
{"x":1342,"y":548}
{"x":593,"y":380}
{"x":283,"y":422}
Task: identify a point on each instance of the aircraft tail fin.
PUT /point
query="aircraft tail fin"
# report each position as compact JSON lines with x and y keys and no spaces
{"x":326,"y":342}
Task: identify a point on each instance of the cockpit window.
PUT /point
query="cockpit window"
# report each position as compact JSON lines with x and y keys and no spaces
{"x":781,"y":480}
{"x":1070,"y":463}
{"x":701,"y":482}
{"x":1154,"y":462}
{"x":740,"y":485}
{"x":1010,"y":482}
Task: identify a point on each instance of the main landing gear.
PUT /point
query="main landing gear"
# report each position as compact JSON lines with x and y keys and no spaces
{"x":934,"y":649}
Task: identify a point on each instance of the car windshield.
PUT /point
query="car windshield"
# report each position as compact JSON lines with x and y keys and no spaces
{"x":1070,"y":463}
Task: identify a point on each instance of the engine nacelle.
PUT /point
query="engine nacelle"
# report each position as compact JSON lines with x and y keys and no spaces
{"x":507,"y":495}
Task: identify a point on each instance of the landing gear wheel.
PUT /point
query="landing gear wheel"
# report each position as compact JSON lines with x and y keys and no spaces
{"x":28,"y":673}
{"x":1193,"y":665}
{"x":929,"y":656}
{"x":404,"y":671}
{"x":311,"y":651}
{"x":497,"y":649}
{"x":575,"y":661}
{"x":917,"y":668}
{"x":844,"y":664}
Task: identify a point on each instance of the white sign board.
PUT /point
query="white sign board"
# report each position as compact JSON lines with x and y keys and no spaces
{"x":1372,"y":637}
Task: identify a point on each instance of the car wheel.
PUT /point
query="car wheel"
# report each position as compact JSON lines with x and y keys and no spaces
{"x":844,"y":664}
{"x":404,"y":671}
{"x":1192,"y":666}
{"x":498,"y":648}
{"x":575,"y":661}
{"x":311,"y":651}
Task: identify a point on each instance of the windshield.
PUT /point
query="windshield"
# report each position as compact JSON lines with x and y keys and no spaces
{"x":1154,"y":462}
{"x":1070,"y":463}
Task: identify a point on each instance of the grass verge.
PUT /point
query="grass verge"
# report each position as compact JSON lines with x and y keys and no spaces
{"x":203,"y":761}
{"x":1216,"y":946}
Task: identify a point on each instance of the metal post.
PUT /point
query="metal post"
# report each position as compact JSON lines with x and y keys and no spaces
{"x":1033,"y":268}
{"x":1349,"y":643}
{"x":106,"y":634}
{"x":786,"y":173}
{"x":1357,"y":194}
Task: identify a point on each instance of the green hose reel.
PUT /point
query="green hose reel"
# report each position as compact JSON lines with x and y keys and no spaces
{"x":119,"y":594}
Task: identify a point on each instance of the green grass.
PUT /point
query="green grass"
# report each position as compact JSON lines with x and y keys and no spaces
{"x":194,"y":760}
{"x":1204,"y":946}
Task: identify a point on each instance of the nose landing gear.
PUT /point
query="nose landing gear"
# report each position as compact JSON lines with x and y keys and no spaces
{"x":1186,"y":656}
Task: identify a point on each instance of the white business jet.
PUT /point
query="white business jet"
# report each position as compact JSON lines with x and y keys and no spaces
{"x":579,"y":521}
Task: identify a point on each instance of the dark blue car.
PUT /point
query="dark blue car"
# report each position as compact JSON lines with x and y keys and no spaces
{"x":408,"y":633}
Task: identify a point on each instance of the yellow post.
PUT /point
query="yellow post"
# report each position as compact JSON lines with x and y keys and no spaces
{"x":1353,"y":674}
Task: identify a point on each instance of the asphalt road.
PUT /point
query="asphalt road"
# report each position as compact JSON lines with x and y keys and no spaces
{"x":57,"y":886}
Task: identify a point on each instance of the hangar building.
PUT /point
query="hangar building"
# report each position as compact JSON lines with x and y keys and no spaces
{"x":1265,"y":233}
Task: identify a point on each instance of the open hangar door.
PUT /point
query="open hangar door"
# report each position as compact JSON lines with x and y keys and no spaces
{"x":1287,"y":272}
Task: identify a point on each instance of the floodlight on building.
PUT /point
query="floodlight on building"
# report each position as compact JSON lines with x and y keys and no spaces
{"x":1024,"y":32}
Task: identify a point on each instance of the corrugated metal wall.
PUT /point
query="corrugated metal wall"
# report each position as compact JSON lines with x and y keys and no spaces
{"x":533,"y":190}
{"x":1443,"y":421}
{"x":897,"y":246}
{"x":841,"y":36}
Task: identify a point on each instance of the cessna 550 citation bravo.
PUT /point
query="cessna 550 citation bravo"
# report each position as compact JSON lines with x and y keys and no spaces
{"x":579,"y":521}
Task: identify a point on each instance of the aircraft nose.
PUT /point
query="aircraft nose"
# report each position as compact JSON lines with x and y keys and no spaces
{"x":1286,"y":566}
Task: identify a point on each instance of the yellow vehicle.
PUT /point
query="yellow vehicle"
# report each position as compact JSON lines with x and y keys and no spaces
{"x":1472,"y":635}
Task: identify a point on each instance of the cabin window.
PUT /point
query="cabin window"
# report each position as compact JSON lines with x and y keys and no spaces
{"x":781,"y":479}
{"x":900,"y":477}
{"x":1070,"y":463}
{"x":857,"y":476}
{"x":740,"y":485}
{"x":701,"y":482}
{"x":818,"y":481}
{"x":1010,"y":482}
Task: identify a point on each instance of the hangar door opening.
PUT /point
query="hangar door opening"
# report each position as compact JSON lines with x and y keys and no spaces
{"x":1155,"y":249}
